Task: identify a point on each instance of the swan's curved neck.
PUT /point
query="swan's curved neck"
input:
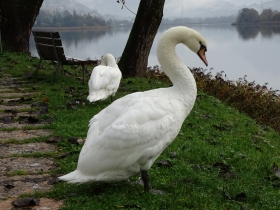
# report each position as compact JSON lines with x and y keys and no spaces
{"x":173,"y":67}
{"x":109,"y":60}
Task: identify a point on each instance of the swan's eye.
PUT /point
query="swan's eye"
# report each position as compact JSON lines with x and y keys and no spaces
{"x":202,"y":46}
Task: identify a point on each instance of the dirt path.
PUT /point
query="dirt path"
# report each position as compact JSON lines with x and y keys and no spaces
{"x":26,"y":157}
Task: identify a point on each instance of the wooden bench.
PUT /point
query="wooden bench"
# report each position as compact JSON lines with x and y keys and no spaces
{"x":49,"y":47}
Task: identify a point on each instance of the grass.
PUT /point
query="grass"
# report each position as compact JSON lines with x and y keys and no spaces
{"x":18,"y":172}
{"x":36,"y":155}
{"x":224,"y":158}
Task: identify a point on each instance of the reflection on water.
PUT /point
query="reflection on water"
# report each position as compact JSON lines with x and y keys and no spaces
{"x":252,"y":31}
{"x":236,"y":50}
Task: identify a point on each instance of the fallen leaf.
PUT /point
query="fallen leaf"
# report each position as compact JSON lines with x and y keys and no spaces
{"x":21,"y":202}
{"x":225,"y":171}
{"x":211,"y":141}
{"x":226,"y":195}
{"x":23,"y":99}
{"x":158,"y":192}
{"x":54,"y":139}
{"x":221,"y":166}
{"x":196,"y":167}
{"x":12,"y":111}
{"x":244,"y":207}
{"x":7,"y":119}
{"x":254,"y":141}
{"x":67,"y":154}
{"x":9,"y":186}
{"x":43,"y":110}
{"x":276,"y":170}
{"x":165,"y":163}
{"x":32,"y":120}
{"x":129,"y":206}
{"x":221,"y":127}
{"x":227,"y":174}
{"x":73,"y":140}
{"x":207,"y":116}
{"x":39,"y":104}
{"x":53,"y":180}
{"x":45,"y":99}
{"x":173,"y":154}
{"x":12,"y":102}
{"x":241,"y":197}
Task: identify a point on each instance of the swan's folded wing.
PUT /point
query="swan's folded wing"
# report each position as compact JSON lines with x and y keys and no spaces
{"x":96,"y":79}
{"x":113,"y":77}
{"x":104,"y":77}
{"x":138,"y":128}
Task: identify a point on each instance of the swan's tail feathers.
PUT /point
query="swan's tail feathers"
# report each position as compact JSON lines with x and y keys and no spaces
{"x":75,"y":177}
{"x":98,"y":95}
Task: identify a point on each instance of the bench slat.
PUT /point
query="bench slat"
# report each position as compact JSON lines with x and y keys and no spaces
{"x":48,"y":53}
{"x":46,"y":34}
{"x":48,"y":41}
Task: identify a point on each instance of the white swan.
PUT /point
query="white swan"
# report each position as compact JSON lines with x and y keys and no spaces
{"x":127,"y":136}
{"x":104,"y":80}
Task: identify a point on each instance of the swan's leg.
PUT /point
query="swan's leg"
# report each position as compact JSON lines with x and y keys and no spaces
{"x":112,"y":98}
{"x":145,"y":178}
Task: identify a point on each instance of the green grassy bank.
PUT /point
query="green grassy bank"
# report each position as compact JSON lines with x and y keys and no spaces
{"x":221,"y":159}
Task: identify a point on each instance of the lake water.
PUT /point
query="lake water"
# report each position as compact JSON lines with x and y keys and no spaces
{"x":238,"y":51}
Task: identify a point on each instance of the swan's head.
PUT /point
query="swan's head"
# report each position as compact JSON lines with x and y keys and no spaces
{"x":108,"y":60}
{"x":197,"y":44}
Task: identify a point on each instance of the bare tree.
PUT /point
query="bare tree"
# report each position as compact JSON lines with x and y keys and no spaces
{"x":134,"y":59}
{"x":17,"y":18}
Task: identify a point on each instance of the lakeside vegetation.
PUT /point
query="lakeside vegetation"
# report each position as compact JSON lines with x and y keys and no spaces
{"x":199,"y":20}
{"x":251,"y":16}
{"x":66,"y":19}
{"x":221,"y":159}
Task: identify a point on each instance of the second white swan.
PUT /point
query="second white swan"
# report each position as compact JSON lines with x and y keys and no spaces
{"x":104,"y":80}
{"x":127,"y":137}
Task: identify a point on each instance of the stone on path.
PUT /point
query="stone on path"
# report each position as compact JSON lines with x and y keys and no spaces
{"x":7,"y":150}
{"x":23,"y":134}
{"x":17,"y":106}
{"x":44,"y":204}
{"x":17,"y":95}
{"x":16,"y":185}
{"x":14,"y":165}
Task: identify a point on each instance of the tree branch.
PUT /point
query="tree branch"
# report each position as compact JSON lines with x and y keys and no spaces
{"x":123,"y":5}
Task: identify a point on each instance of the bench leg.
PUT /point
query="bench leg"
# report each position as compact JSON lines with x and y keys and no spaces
{"x":38,"y":66}
{"x":83,"y":67}
{"x":62,"y":69}
{"x":57,"y":68}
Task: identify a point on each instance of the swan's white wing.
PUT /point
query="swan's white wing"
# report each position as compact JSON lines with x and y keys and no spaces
{"x":134,"y":129}
{"x":104,"y":77}
{"x":104,"y":81}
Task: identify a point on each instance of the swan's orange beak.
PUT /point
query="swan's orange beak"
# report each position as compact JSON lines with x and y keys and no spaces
{"x":201,"y":54}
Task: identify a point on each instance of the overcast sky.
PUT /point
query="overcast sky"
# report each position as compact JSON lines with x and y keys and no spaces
{"x":171,"y":6}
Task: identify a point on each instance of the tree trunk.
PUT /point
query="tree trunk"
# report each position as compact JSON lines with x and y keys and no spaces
{"x":17,"y":18}
{"x":134,"y":59}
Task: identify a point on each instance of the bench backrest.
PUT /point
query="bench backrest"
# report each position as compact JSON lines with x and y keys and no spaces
{"x":49,"y":46}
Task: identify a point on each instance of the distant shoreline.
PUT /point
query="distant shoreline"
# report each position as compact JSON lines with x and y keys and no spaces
{"x":71,"y":28}
{"x":266,"y":23}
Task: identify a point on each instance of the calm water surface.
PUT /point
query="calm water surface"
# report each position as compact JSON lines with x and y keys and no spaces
{"x":237,"y":51}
